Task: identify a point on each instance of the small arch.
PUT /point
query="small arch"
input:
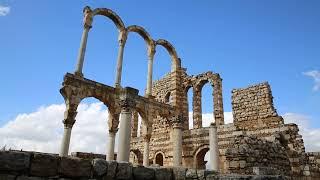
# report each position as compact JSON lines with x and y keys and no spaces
{"x":176,"y":62}
{"x":159,"y":158}
{"x":110,"y":14}
{"x":199,"y":157}
{"x":168,"y":98}
{"x":136,"y":157}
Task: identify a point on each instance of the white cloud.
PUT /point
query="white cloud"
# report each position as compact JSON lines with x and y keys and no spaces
{"x":4,"y":10}
{"x":316,"y":77}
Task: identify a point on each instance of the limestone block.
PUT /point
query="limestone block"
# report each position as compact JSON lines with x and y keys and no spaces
{"x":14,"y":161}
{"x":124,"y":171}
{"x":143,"y":173}
{"x":99,"y":167}
{"x":111,"y":170}
{"x":44,"y":165}
{"x":179,"y":173}
{"x":74,"y":167}
{"x":191,"y":174}
{"x":30,"y":178}
{"x":163,"y":173}
{"x":7,"y":177}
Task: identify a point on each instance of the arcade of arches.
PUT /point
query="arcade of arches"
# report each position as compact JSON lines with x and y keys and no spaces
{"x":165,"y":138}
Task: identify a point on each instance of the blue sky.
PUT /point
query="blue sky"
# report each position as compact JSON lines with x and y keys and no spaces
{"x":246,"y":42}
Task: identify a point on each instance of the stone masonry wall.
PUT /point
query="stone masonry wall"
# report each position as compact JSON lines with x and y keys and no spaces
{"x":253,"y":108}
{"x":249,"y":154}
{"x":16,"y":165}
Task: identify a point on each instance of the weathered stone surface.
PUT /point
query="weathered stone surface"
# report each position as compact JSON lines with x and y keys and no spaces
{"x":7,"y":177}
{"x":14,"y":161}
{"x":44,"y":165}
{"x":179,"y":173}
{"x":124,"y":171}
{"x":99,"y":167}
{"x":143,"y":173}
{"x":163,"y":173}
{"x":30,"y":178}
{"x":111,"y":170}
{"x":74,"y":167}
{"x":191,"y":174}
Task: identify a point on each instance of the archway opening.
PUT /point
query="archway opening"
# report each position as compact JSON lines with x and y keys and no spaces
{"x":168,"y":98}
{"x":207,"y":104}
{"x":90,"y":131}
{"x":202,"y":158}
{"x":159,"y":159}
{"x":161,"y":63}
{"x":135,"y":157}
{"x":190,"y":108}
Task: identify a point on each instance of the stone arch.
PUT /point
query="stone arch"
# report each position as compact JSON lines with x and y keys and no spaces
{"x":142,"y":32}
{"x":159,"y":158}
{"x":176,"y":62}
{"x":199,"y":154}
{"x":111,"y":15}
{"x":136,"y":157}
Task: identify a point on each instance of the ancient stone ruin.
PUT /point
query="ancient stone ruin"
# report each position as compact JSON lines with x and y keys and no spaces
{"x":258,"y":143}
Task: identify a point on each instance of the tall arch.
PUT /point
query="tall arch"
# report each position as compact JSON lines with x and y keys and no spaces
{"x":142,"y":32}
{"x":176,"y":62}
{"x":111,"y":15}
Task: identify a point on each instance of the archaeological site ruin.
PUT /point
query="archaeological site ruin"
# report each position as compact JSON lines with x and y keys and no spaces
{"x":258,"y":144}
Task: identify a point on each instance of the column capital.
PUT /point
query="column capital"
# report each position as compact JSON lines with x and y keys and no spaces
{"x":213,"y":124}
{"x":147,"y":137}
{"x":177,"y":122}
{"x":128,"y":97}
{"x":87,"y":17}
{"x":151,"y":52}
{"x":122,"y":38}
{"x":69,"y":118}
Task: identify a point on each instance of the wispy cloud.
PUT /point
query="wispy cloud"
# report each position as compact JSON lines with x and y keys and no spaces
{"x":316,"y":77}
{"x":4,"y":10}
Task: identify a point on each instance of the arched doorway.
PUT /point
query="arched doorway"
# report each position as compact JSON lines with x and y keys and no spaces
{"x":136,"y":157}
{"x":159,"y":159}
{"x":200,"y":158}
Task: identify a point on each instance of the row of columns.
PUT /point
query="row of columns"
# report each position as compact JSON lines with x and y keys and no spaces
{"x":88,"y":17}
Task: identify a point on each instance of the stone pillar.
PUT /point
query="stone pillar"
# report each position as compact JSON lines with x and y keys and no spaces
{"x":213,"y":147}
{"x":68,"y":122}
{"x":127,"y":101}
{"x":146,"y":139}
{"x":110,"y":147}
{"x":177,"y":141}
{"x":122,"y":41}
{"x":134,"y":123}
{"x":151,"y":52}
{"x":197,"y":109}
{"x":218,"y":102}
{"x":87,"y":22}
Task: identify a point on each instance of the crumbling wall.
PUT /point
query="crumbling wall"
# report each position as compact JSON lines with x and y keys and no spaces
{"x":252,"y":107}
{"x":312,"y":167}
{"x":249,"y":154}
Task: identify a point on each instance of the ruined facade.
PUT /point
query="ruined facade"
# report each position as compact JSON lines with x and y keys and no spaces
{"x":257,"y":140}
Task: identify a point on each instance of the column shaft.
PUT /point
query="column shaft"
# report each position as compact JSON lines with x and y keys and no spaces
{"x":124,"y":135}
{"x":150,"y":72}
{"x":214,"y":150}
{"x":110,"y":148}
{"x":82,"y":51}
{"x":146,"y":153}
{"x":177,"y":146}
{"x":65,"y":142}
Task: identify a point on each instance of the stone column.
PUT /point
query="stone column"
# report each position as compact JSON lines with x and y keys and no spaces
{"x":197,"y":110}
{"x":218,"y":102}
{"x":151,"y":52}
{"x":127,"y":101}
{"x":122,"y":41}
{"x":87,"y":21}
{"x":110,"y":147}
{"x":177,"y":141}
{"x":213,"y":147}
{"x":146,"y":139}
{"x":68,"y":124}
{"x":134,"y":123}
